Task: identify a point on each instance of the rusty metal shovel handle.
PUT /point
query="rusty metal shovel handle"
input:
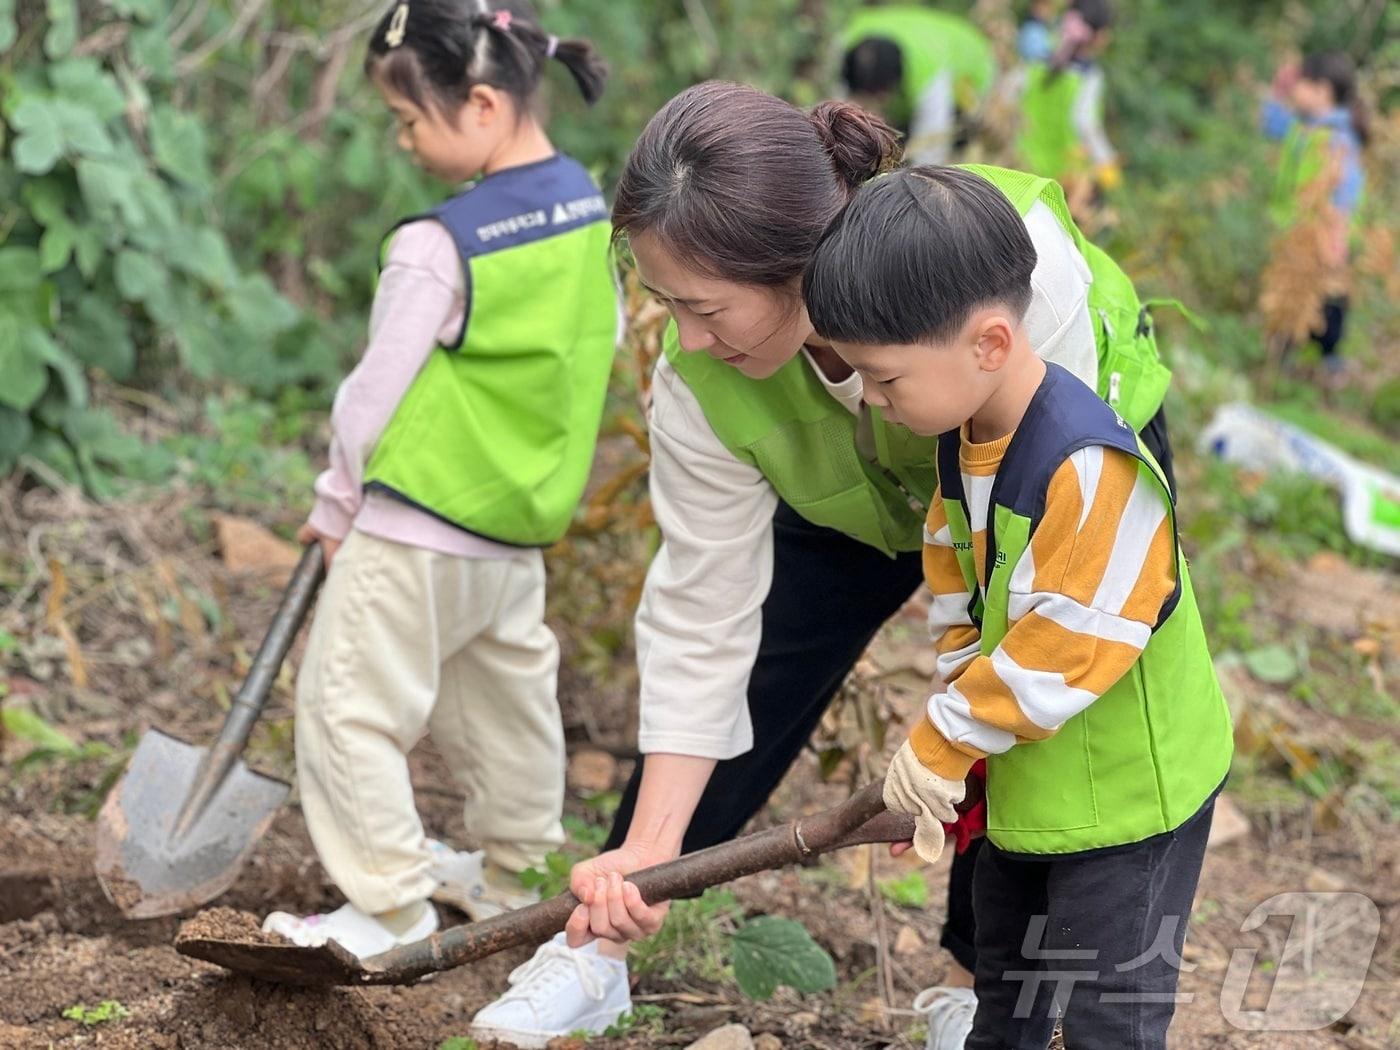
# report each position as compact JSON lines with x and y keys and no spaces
{"x":248,"y":704}
{"x":861,"y":819}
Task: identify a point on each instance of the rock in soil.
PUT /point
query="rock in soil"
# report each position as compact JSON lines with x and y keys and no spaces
{"x":591,"y":771}
{"x":730,"y":1037}
{"x":767,"y":1041}
{"x":1228,"y":824}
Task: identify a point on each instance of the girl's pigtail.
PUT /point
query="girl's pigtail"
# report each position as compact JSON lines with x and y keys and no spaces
{"x":584,"y":63}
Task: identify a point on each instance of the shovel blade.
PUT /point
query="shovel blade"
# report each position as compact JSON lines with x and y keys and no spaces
{"x":320,"y":967}
{"x":146,"y":870}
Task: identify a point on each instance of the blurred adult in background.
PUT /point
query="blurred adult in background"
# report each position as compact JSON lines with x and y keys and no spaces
{"x":926,"y":72}
{"x":1314,"y":110}
{"x":1062,"y":135}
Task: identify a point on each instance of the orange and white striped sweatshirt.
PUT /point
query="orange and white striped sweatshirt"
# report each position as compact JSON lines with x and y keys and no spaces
{"x":1083,"y":599}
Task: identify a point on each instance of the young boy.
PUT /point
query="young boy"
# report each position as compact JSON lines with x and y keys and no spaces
{"x":1070,"y":649}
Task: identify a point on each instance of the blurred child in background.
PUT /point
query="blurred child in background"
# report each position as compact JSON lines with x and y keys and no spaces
{"x":1062,"y":135}
{"x":926,"y":72}
{"x":1314,"y":110}
{"x":1035,"y":39}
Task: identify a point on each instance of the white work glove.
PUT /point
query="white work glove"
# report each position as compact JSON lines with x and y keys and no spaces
{"x":911,"y":787}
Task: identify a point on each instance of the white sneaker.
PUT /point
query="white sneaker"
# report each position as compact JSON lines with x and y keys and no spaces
{"x":360,"y":934}
{"x":462,"y":883}
{"x":560,"y":990}
{"x":949,"y":1013}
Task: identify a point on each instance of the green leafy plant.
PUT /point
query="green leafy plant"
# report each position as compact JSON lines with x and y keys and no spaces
{"x":642,"y":1019}
{"x":694,"y":941}
{"x":908,"y":891}
{"x":770,"y":951}
{"x":107,"y":1010}
{"x":49,"y":743}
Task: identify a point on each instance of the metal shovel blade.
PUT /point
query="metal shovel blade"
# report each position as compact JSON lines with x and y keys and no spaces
{"x":149,"y":868}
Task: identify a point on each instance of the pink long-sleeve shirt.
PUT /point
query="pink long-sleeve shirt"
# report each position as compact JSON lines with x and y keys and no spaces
{"x":419,"y":305}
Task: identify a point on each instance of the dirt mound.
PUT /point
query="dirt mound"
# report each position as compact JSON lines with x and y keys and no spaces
{"x":227,"y":924}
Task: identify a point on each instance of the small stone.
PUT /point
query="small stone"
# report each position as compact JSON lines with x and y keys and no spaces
{"x":925,"y":662}
{"x":767,"y":1041}
{"x":908,"y":942}
{"x":591,"y":771}
{"x":1367,"y":647}
{"x":804,"y":1019}
{"x":1228,"y":824}
{"x":729,"y":1037}
{"x":1320,"y":880}
{"x":872,"y":1011}
{"x":248,"y":547}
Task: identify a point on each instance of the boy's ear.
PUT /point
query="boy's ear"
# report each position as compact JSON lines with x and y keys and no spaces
{"x":996,"y":336}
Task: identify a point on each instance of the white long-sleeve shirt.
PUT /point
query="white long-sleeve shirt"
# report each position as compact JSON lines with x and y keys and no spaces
{"x":699,"y":620}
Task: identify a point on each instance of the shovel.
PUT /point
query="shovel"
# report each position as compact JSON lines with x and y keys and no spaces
{"x":178,"y":826}
{"x":860,"y":819}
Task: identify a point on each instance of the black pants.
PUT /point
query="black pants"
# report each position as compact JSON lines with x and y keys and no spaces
{"x":829,"y":596}
{"x":1334,"y":316}
{"x":1094,"y":939}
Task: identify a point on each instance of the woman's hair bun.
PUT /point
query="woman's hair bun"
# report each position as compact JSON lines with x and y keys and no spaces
{"x":860,"y":144}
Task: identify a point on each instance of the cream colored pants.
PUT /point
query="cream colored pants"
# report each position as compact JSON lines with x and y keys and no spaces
{"x":407,"y":641}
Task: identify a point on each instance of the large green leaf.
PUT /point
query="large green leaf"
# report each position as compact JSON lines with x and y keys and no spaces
{"x":205,"y":254}
{"x":15,"y":431}
{"x":8,"y":32}
{"x":23,"y":374}
{"x":150,"y":49}
{"x":84,"y":82}
{"x":772,"y":951}
{"x":56,"y":247}
{"x":177,"y":140}
{"x":359,"y":164}
{"x":97,"y":333}
{"x":19,"y":270}
{"x":63,"y":28}
{"x":139,"y":277}
{"x":39,"y":145}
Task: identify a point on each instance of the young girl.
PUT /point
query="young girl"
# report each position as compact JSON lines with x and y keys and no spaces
{"x":1062,"y":134}
{"x":1315,"y":111}
{"x":461,"y":444}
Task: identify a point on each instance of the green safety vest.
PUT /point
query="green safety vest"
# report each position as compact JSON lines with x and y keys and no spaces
{"x":496,"y":435}
{"x":1146,"y":755}
{"x":870,"y":479}
{"x":1047,"y":141}
{"x":1132,"y":377}
{"x":1302,"y":160}
{"x":929,"y":43}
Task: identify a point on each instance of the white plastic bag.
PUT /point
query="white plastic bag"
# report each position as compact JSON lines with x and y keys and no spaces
{"x":1242,"y":434}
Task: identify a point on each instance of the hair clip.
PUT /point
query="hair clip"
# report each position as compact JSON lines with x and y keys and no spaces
{"x":501,"y":20}
{"x":398,"y":26}
{"x":551,"y":46}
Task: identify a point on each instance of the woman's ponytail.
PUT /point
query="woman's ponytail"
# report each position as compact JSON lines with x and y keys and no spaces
{"x":859,"y":144}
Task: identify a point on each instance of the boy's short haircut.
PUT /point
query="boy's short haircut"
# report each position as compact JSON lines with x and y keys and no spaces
{"x":913,"y":255}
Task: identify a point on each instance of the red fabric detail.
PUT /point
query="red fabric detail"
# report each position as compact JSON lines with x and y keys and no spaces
{"x":973,"y":823}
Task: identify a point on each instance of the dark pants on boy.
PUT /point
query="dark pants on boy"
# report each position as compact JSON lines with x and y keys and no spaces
{"x":1093,"y":938}
{"x":829,"y":596}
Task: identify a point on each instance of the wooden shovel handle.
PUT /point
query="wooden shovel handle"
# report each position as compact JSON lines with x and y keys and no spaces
{"x":860,"y":819}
